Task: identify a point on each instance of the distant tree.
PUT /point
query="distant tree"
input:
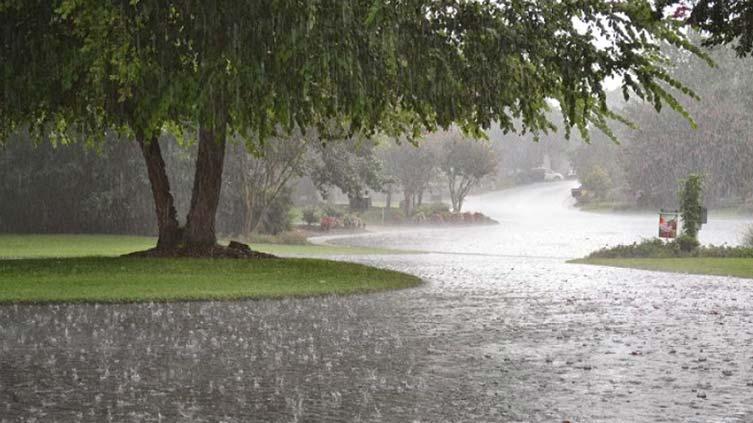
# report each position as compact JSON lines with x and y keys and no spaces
{"x":665,"y":149}
{"x":350,"y":165}
{"x":75,"y":187}
{"x":691,"y":193}
{"x":604,"y":156}
{"x":597,"y":180}
{"x":413,"y":167}
{"x":265,"y":174}
{"x":73,"y":66}
{"x":519,"y":153}
{"x":310,"y":216}
{"x":464,"y":162}
{"x":602,"y":151}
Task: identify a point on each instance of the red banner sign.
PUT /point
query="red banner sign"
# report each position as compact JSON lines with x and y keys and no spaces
{"x":668,"y":224}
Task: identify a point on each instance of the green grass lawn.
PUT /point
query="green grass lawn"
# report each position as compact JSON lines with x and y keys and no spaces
{"x":115,"y":279}
{"x":85,"y":268}
{"x":39,"y":246}
{"x":47,"y":246}
{"x":739,"y":267}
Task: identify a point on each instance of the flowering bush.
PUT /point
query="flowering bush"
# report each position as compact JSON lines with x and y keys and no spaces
{"x":310,"y":215}
{"x":437,"y":218}
{"x":327,"y":223}
{"x":351,"y":221}
{"x":419,"y":217}
{"x":448,"y":217}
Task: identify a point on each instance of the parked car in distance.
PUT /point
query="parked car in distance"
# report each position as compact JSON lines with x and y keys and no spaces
{"x":551,"y":175}
{"x":538,"y":174}
{"x":546,"y":174}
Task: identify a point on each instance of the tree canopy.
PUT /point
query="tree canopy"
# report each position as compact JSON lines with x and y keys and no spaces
{"x":663,"y":148}
{"x":275,"y":63}
{"x":396,"y":66}
{"x":724,"y":21}
{"x":464,"y":162}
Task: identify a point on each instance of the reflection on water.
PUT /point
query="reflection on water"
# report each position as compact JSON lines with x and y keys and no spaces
{"x":509,"y":333}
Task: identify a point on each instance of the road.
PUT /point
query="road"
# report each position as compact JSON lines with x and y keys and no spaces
{"x":540,"y":220}
{"x":503,"y":330}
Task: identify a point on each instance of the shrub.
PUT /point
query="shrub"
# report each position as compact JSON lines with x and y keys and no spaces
{"x":328,"y":222}
{"x":277,"y":215}
{"x":687,"y":243}
{"x":725,"y":251}
{"x":332,"y":211}
{"x":682,"y":247}
{"x":653,"y":247}
{"x":690,"y":205}
{"x":392,"y":216}
{"x":287,"y":238}
{"x":437,"y":218}
{"x":352,"y":221}
{"x":421,"y":216}
{"x":748,"y":237}
{"x":310,"y":215}
{"x":430,"y":209}
{"x":598,"y":181}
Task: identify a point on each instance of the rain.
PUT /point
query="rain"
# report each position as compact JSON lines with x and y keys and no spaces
{"x":375,"y":211}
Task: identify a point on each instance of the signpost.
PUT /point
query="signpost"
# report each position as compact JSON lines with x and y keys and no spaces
{"x":668,"y":224}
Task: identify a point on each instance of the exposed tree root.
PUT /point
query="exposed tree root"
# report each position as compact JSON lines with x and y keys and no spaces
{"x":235,"y":250}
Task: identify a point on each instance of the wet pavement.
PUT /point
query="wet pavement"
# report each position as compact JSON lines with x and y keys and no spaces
{"x":503,"y":330}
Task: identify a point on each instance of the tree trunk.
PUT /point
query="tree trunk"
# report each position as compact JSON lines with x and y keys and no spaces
{"x":249,"y":220}
{"x":453,"y":198}
{"x":164,"y":204}
{"x":269,"y":199}
{"x":207,"y":184}
{"x":408,"y":203}
{"x":247,"y":225}
{"x":465,"y":187}
{"x":388,"y":202}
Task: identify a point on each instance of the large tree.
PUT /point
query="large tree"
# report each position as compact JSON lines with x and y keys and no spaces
{"x":83,"y":66}
{"x":74,"y":70}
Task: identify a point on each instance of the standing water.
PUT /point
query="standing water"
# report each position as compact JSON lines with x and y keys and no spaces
{"x":540,"y":220}
{"x":503,"y":330}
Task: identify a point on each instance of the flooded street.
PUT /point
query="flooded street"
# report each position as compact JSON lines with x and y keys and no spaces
{"x":145,"y":144}
{"x":539,"y":220}
{"x":502,"y":330}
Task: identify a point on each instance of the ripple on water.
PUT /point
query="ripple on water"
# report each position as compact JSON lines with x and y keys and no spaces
{"x":476,"y":342}
{"x":490,"y":337}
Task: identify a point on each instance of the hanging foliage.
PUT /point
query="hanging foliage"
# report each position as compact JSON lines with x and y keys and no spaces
{"x":75,"y":68}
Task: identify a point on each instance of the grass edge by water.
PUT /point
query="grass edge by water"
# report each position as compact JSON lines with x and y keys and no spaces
{"x":71,"y":252}
{"x":131,"y":280}
{"x":715,"y":266}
